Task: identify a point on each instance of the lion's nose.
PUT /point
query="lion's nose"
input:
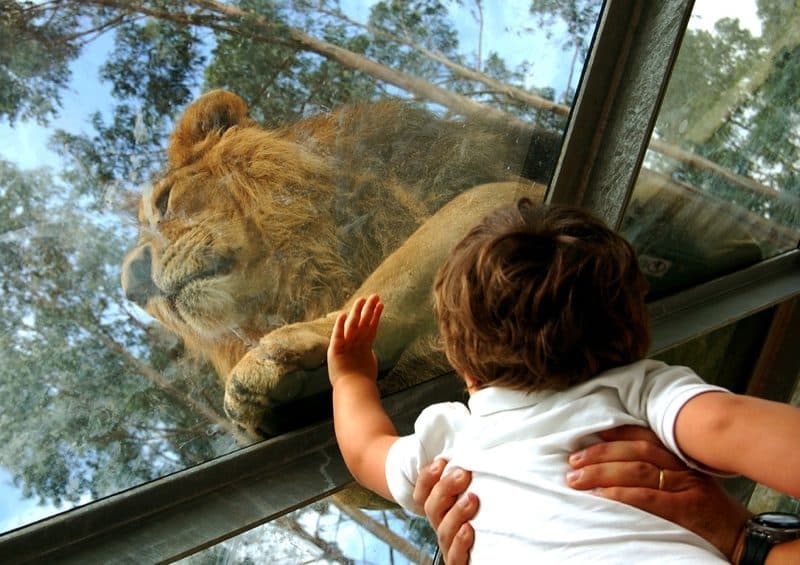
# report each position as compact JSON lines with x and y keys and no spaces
{"x":136,"y":280}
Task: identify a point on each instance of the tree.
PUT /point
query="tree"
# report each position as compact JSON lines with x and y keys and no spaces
{"x":77,"y":417}
{"x":280,"y":80}
{"x":750,"y":126}
{"x":31,"y":74}
{"x":580,"y":18}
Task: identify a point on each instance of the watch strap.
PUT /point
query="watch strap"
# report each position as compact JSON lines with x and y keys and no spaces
{"x":756,"y":548}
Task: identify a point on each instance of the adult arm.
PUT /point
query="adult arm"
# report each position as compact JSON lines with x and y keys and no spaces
{"x":364,"y":431}
{"x":625,"y":467}
{"x":745,"y":435}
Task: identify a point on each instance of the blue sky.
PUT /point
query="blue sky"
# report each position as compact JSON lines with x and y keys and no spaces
{"x":84,"y":96}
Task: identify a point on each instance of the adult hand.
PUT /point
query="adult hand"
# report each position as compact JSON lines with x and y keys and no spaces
{"x":625,"y":467}
{"x":447,"y":510}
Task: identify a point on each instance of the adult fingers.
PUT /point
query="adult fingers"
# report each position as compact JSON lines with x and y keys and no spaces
{"x":654,"y":501}
{"x":458,"y":553}
{"x":630,"y":433}
{"x":444,"y":494}
{"x":671,"y":502}
{"x":631,"y":474}
{"x":628,"y":450}
{"x":427,"y":479}
{"x":451,"y":530}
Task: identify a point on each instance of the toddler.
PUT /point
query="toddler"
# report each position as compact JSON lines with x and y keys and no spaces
{"x":542,"y":314}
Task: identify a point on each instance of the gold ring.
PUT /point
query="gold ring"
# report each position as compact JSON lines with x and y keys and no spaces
{"x":661,"y":479}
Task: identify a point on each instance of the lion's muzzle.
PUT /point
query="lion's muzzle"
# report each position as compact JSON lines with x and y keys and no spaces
{"x":137,"y":281}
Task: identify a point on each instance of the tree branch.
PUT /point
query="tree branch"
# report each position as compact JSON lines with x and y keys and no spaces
{"x":527,"y":98}
{"x":159,"y":381}
{"x":330,"y":550}
{"x":409,"y":550}
{"x":512,"y":92}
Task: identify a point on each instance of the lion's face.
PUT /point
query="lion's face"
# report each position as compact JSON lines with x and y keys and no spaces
{"x":192,"y":263}
{"x":251,"y":228}
{"x":218,"y":237}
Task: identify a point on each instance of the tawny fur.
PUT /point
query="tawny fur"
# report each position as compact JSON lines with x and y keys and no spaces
{"x":251,"y":229}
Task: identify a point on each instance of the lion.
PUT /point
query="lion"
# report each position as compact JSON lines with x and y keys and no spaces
{"x":254,"y":239}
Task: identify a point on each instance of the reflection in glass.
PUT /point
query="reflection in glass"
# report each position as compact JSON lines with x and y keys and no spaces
{"x":97,"y":396}
{"x":720,"y":188}
{"x":329,"y":531}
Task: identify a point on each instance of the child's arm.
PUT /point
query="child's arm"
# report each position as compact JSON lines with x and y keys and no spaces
{"x":756,"y":438}
{"x":363,"y":429}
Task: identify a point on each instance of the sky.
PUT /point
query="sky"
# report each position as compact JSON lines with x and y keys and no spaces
{"x":26,"y":143}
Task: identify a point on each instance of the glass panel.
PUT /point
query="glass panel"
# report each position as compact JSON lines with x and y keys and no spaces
{"x":244,"y":224}
{"x":720,"y":188}
{"x":329,"y":531}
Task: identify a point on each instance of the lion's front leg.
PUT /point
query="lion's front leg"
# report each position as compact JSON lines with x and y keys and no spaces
{"x":287,"y":364}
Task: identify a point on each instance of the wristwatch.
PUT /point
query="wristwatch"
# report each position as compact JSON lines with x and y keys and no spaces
{"x":766,"y":530}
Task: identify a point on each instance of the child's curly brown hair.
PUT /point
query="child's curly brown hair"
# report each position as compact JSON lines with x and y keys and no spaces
{"x":541,"y":297}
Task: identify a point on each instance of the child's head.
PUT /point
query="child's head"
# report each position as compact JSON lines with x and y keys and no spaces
{"x":541,"y":297}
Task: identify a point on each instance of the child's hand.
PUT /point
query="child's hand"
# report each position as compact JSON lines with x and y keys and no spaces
{"x":350,"y":350}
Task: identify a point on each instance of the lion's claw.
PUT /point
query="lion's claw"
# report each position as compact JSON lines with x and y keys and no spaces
{"x":287,"y":365}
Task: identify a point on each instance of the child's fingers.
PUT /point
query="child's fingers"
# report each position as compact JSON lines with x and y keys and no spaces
{"x":337,"y":335}
{"x":372,"y":330}
{"x":367,"y":312}
{"x":353,"y":319}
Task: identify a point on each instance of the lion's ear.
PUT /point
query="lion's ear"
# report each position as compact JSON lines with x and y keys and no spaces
{"x":213,"y":112}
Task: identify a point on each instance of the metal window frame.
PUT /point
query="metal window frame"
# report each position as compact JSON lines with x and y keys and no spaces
{"x":627,"y":72}
{"x":180,"y":514}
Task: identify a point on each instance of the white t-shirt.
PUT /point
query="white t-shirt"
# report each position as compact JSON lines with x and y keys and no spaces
{"x":516,"y":444}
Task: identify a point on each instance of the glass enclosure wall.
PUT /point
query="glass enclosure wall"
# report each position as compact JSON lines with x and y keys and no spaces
{"x":720,"y":188}
{"x":329,"y":531}
{"x":147,"y":248}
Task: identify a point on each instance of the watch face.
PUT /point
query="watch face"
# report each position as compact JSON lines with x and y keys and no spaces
{"x":776,"y":527}
{"x":778,"y":520}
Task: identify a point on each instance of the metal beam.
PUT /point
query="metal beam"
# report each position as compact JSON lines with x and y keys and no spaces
{"x":717,"y":303}
{"x":624,"y":81}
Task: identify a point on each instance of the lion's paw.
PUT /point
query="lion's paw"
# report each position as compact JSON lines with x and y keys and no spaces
{"x":288,"y":364}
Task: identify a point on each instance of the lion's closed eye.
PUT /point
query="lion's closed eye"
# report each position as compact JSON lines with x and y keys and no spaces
{"x":162,"y":202}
